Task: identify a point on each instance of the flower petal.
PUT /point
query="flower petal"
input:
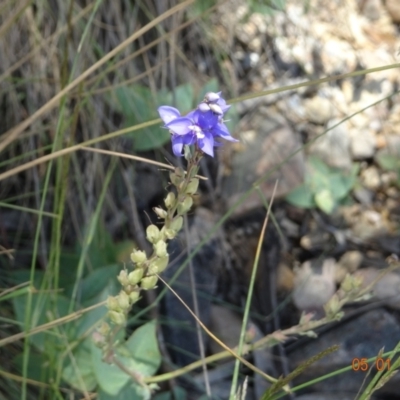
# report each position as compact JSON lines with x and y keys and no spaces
{"x":180,"y":126}
{"x":207,"y":144}
{"x":168,"y":114}
{"x":177,"y":145}
{"x":222,"y":131}
{"x":206,"y":120}
{"x":222,"y":103}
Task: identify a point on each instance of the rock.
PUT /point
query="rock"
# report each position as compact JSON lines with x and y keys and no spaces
{"x":348,"y":264}
{"x":372,"y":9}
{"x":313,"y":289}
{"x":334,"y":146}
{"x":263,"y":150}
{"x":393,"y":8}
{"x":387,"y":288}
{"x":316,"y":240}
{"x":318,"y":110}
{"x":370,"y":178}
{"x":337,"y":56}
{"x":363,"y":195}
{"x":362,"y":143}
{"x":369,"y":224}
{"x":221,"y":318}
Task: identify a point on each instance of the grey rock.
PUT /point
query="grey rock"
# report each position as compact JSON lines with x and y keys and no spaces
{"x":318,"y":110}
{"x":362,"y":143}
{"x":334,"y":146}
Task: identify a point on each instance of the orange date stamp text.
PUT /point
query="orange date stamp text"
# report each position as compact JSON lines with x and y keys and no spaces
{"x":361,"y":364}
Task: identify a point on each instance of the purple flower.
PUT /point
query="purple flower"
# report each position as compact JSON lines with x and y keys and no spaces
{"x":198,"y":127}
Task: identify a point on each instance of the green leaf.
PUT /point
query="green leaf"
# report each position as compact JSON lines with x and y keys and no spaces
{"x":319,"y":175}
{"x":388,"y":161}
{"x":46,"y":307}
{"x":79,"y":371}
{"x":144,"y":348}
{"x":138,"y":106}
{"x":184,"y":98}
{"x":95,"y":282}
{"x":139,"y":354}
{"x":324,"y":201}
{"x":36,"y":363}
{"x":301,"y":197}
{"x":109,"y":377}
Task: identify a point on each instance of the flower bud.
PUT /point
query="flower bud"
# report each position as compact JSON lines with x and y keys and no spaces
{"x":170,"y":200}
{"x":123,"y":278}
{"x":123,"y":300}
{"x":176,"y":224}
{"x":117,"y":317}
{"x":216,"y":109}
{"x":203,"y":107}
{"x":160,"y":212}
{"x":153,"y":233}
{"x":135,"y":276}
{"x":138,"y":256}
{"x":112,"y":303}
{"x":211,"y":97}
{"x":160,"y":248}
{"x":192,"y":186}
{"x":134,"y":296}
{"x":149,"y":282}
{"x":185,"y":206}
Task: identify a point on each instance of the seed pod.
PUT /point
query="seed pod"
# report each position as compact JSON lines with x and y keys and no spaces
{"x":149,"y":282}
{"x":117,"y":317}
{"x":123,"y":300}
{"x":135,"y":276}
{"x":138,"y":256}
{"x":134,"y":296}
{"x":160,"y":212}
{"x":123,"y":278}
{"x":170,"y":234}
{"x":152,"y":234}
{"x":170,"y":200}
{"x":158,"y":265}
{"x":185,"y":206}
{"x":177,"y":223}
{"x":193,"y":186}
{"x":160,"y":248}
{"x":112,"y":304}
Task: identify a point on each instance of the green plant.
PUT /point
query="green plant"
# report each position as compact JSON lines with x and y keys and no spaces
{"x":389,"y":160}
{"x":324,"y":187}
